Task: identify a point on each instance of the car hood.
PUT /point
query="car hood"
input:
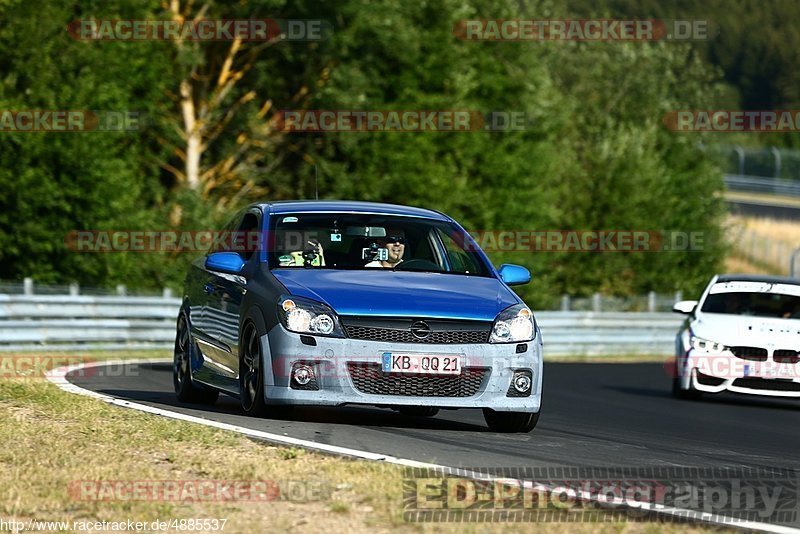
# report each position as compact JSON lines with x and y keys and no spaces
{"x":744,"y":330}
{"x":400,"y":294}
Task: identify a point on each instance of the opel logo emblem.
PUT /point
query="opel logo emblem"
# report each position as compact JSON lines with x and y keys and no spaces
{"x":420,"y":330}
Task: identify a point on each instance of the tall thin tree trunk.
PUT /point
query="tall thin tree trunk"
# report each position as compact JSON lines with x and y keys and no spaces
{"x":194,"y":138}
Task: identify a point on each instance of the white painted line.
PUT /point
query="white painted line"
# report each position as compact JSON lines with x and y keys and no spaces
{"x":58,"y":377}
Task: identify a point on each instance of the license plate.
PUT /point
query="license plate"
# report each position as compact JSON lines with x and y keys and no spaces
{"x":428,"y":364}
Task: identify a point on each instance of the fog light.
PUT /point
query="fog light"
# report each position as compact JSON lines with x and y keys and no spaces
{"x":521,"y":383}
{"x":302,"y":374}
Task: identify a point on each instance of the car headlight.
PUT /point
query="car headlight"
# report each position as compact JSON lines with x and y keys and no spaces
{"x":306,"y":316}
{"x":704,"y":345}
{"x":513,"y":324}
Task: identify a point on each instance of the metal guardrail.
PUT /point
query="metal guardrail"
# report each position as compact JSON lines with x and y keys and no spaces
{"x":67,"y":322}
{"x":608,"y":333}
{"x":760,"y":184}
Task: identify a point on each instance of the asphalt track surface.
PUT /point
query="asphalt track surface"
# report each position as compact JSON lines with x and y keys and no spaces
{"x":594,"y":415}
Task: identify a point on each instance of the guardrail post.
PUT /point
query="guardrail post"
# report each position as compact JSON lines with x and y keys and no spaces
{"x":651,"y":301}
{"x":167,"y":294}
{"x":74,"y":289}
{"x":564,"y":302}
{"x":678,"y":296}
{"x":27,"y":286}
{"x":740,"y":151}
{"x":122,"y":290}
{"x":793,"y":263}
{"x":777,"y":155}
{"x":596,"y":302}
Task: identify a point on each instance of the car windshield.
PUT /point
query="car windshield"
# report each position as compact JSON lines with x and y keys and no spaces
{"x":756,"y":299}
{"x":366,"y":241}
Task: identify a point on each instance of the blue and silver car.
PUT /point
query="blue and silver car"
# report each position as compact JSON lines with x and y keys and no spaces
{"x":330,"y":303}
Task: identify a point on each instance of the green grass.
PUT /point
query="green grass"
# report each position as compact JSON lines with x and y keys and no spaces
{"x":53,"y":440}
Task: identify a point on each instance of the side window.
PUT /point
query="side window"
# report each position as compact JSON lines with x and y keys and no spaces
{"x":460,"y":260}
{"x":247,"y":238}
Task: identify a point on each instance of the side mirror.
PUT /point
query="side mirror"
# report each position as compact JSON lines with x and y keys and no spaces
{"x":514,"y":275}
{"x":225,"y":262}
{"x":685,"y":307}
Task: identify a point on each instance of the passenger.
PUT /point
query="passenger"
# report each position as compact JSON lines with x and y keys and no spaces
{"x":312,"y":256}
{"x":395,"y":243}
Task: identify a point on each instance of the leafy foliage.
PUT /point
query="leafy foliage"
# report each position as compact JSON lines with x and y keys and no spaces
{"x":593,"y":156}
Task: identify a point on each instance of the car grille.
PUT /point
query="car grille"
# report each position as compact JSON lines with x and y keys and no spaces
{"x":785,"y":356}
{"x":405,"y":336}
{"x":370,"y":378}
{"x":399,"y":331}
{"x":757,"y":354}
{"x":767,"y":384}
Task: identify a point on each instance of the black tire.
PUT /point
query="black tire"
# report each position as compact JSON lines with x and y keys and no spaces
{"x":418,"y":411}
{"x":251,"y":376}
{"x":185,"y":389}
{"x":684,"y":394}
{"x":509,"y":422}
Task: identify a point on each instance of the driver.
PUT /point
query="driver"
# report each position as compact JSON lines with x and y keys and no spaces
{"x":395,"y":243}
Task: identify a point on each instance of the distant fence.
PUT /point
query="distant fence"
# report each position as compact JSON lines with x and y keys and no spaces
{"x":52,"y":322}
{"x":746,"y":161}
{"x":758,"y":184}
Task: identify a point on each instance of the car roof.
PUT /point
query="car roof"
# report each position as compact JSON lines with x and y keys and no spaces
{"x":769,"y":279}
{"x":349,"y":206}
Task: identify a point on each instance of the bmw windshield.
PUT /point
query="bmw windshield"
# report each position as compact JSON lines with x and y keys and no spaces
{"x":758,"y":299}
{"x":367,"y":241}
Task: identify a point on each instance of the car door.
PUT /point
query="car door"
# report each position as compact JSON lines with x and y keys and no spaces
{"x":225,"y":294}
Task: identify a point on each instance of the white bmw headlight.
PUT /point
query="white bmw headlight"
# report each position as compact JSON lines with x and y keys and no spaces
{"x":306,"y":316}
{"x":709,"y":347}
{"x":512,"y":325}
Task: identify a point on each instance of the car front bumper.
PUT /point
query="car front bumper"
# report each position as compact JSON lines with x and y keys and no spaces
{"x":714,"y":374}
{"x":487,"y":370}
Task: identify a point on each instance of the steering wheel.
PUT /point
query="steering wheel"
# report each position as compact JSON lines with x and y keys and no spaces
{"x":418,"y":265}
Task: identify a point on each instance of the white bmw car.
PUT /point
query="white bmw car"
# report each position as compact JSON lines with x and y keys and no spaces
{"x":743,"y":335}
